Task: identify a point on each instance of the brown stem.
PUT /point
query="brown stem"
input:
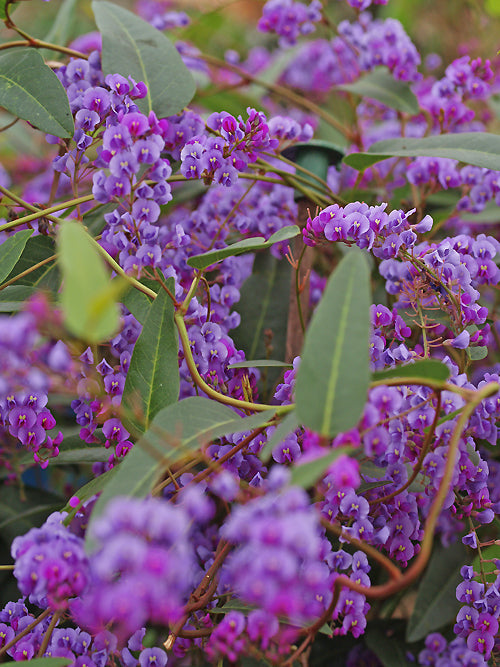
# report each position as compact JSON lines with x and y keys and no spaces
{"x":203,"y":587}
{"x":48,"y":634}
{"x":284,"y":92}
{"x":225,"y":457}
{"x":25,"y":632}
{"x":202,"y":632}
{"x":418,"y":466}
{"x":385,"y":590}
{"x":393,"y":572}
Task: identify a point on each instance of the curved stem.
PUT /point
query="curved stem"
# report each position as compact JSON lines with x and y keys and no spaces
{"x":282,"y":91}
{"x":118,"y":269}
{"x":198,"y":594}
{"x":394,"y":572}
{"x":225,"y":457}
{"x":40,"y":44}
{"x":416,"y":568}
{"x":25,"y":273}
{"x":191,"y":292}
{"x":45,"y":212}
{"x":307,"y":172}
{"x":437,"y":385}
{"x":210,"y":391}
{"x":298,"y":181}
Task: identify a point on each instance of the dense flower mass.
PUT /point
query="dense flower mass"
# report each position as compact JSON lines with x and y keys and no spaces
{"x":216,"y":449}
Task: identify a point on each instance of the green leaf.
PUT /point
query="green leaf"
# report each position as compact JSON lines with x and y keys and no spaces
{"x":286,"y":426}
{"x":10,"y":251}
{"x":477,"y":353}
{"x":333,"y":376}
{"x":132,"y":47}
{"x":3,"y":4}
{"x":138,"y":304}
{"x":436,"y":603}
{"x":30,"y":90}
{"x":81,"y":455}
{"x":261,"y":363}
{"x":380,"y":85}
{"x":240,"y":247}
{"x":490,"y":215}
{"x":60,"y":30}
{"x":491,"y":554}
{"x":38,"y":249}
{"x":263,"y":306}
{"x":17,"y":515}
{"x":48,"y":662}
{"x":307,"y":474}
{"x":95,"y":486}
{"x":431,"y":369}
{"x":386,"y":640}
{"x":153,"y":377}
{"x":12,"y":298}
{"x":177,"y":431}
{"x":185,"y":426}
{"x":481,"y":149}
{"x":316,"y":156}
{"x":88,"y":298}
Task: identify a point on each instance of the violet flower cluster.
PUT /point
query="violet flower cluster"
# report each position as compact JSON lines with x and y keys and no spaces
{"x":244,"y":534}
{"x":289,"y":19}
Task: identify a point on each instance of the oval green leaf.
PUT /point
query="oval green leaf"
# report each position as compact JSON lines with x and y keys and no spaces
{"x":153,"y":377}
{"x":265,"y":303}
{"x":88,"y":296}
{"x":11,"y":250}
{"x":132,"y":47}
{"x":240,"y":247}
{"x":261,"y":363}
{"x":30,"y":90}
{"x":48,"y":662}
{"x":385,"y":638}
{"x":436,"y":603}
{"x":481,"y":149}
{"x":484,"y":563}
{"x":380,"y":85}
{"x":430,"y":369}
{"x":333,"y":376}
